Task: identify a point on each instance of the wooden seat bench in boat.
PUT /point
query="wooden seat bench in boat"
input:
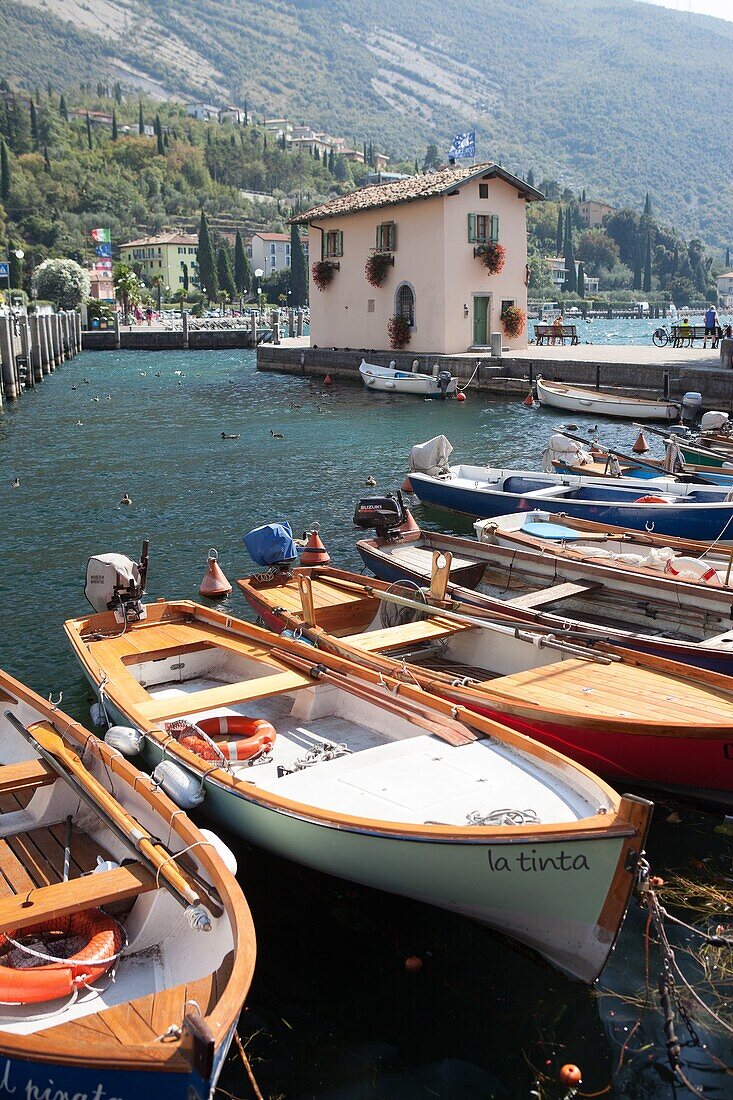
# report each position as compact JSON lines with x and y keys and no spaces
{"x":406,"y":634}
{"x":26,"y":776}
{"x":62,"y":898}
{"x":551,"y":595}
{"x":225,"y":696}
{"x":419,"y":557}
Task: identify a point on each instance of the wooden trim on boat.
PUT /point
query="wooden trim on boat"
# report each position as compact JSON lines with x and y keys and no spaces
{"x":63,"y":898}
{"x":26,"y":776}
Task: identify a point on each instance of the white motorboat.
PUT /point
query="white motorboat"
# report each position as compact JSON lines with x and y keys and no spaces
{"x":578,"y":399}
{"x":390,"y":380}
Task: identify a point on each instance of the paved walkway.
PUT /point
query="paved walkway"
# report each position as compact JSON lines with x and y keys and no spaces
{"x":644,"y":355}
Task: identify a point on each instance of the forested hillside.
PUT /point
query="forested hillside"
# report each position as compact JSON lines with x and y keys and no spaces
{"x":613,"y":95}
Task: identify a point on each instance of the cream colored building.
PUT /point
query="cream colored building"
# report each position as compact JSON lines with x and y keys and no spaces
{"x":593,"y":214}
{"x":433,"y":227}
{"x":725,"y":289}
{"x":164,"y":255}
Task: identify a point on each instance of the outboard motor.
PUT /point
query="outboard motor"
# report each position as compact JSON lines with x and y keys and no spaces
{"x":382,"y":514}
{"x":444,"y":381}
{"x":115,"y":583}
{"x":272,"y":545}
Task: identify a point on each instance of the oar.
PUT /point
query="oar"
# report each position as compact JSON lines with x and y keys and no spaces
{"x":51,"y":748}
{"x":629,"y":458}
{"x":727,"y":456}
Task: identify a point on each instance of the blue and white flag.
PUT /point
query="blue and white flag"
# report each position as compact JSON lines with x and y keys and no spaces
{"x":464,"y":145}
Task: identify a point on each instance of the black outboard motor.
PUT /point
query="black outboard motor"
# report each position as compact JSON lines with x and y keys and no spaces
{"x":444,"y":381}
{"x":382,"y":514}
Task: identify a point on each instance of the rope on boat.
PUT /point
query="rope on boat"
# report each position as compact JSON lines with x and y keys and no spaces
{"x":670,"y":1000}
{"x":503,"y":817}
{"x":475,"y":372}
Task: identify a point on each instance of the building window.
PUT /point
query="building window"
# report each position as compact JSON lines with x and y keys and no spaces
{"x":333,"y":244}
{"x":370,"y":305}
{"x":387,"y":237}
{"x":506,"y":304}
{"x":483,"y":190}
{"x":273,"y":261}
{"x":405,"y":303}
{"x":272,"y":249}
{"x":483,"y":228}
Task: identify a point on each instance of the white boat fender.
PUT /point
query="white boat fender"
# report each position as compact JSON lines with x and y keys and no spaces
{"x":223,"y":850}
{"x":125,"y":739}
{"x":104,"y":865}
{"x":98,"y":715}
{"x":185,"y":789}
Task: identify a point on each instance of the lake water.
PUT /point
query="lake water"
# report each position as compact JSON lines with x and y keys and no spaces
{"x":333,"y":1014}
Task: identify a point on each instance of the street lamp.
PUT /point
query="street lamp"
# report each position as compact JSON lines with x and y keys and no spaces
{"x":258,"y":275}
{"x":19,"y":254}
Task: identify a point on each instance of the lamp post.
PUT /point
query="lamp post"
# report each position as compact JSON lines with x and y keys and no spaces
{"x":258,"y":275}
{"x":19,"y":254}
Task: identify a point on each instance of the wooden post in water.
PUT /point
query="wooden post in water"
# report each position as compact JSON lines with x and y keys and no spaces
{"x":117,"y":331}
{"x":184,"y":328}
{"x":7,"y":355}
{"x":25,"y":351}
{"x":291,"y":323}
{"x":56,"y":338}
{"x":36,"y":366}
{"x":45,"y":344}
{"x":77,"y":319}
{"x":65,"y":335}
{"x":299,"y":323}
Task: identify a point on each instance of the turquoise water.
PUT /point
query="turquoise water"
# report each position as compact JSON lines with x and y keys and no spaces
{"x":333,"y":1012}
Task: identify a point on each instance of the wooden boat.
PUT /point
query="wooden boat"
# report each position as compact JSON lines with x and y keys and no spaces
{"x":691,"y":624}
{"x":578,"y":399}
{"x":673,"y":508}
{"x":145,"y":942}
{"x":680,"y":560}
{"x":627,"y":716}
{"x":391,"y":380}
{"x":373,"y":781}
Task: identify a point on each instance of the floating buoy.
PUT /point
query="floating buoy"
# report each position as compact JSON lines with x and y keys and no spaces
{"x":409,"y":527}
{"x":413,"y":964}
{"x":640,"y":446}
{"x":407,"y":486}
{"x":529,"y":401}
{"x":656,"y":881}
{"x":570,"y":1075}
{"x":315,"y":553}
{"x":328,"y":380}
{"x":214,"y":583}
{"x":460,"y":396}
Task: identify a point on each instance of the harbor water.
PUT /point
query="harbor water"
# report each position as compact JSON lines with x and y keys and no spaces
{"x":333,"y":1014}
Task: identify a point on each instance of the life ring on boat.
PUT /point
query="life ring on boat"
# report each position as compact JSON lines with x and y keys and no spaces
{"x":34,"y":984}
{"x":691,"y":569}
{"x":250,"y":737}
{"x":651,"y":500}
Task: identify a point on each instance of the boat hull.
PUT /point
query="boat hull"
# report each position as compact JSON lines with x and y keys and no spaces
{"x":26,"y":1077}
{"x":570,"y":399}
{"x":419,"y":385}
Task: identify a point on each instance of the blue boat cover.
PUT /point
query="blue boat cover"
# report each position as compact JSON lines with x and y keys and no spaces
{"x":271,"y":543}
{"x":544,"y":530}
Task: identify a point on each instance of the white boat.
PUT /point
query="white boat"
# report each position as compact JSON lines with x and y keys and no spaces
{"x":390,"y":380}
{"x":558,"y":395}
{"x":371,"y":780}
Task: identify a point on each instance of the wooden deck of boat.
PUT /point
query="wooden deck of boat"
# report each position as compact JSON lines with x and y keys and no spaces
{"x":618,"y":691}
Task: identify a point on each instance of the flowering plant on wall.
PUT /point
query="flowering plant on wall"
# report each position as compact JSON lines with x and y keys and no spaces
{"x":492,"y":256}
{"x":399,"y":332}
{"x":512,"y":321}
{"x":377,"y":266}
{"x":323,"y":272}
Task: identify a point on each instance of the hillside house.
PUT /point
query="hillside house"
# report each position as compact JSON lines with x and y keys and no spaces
{"x":163,"y":256}
{"x":594,"y":214}
{"x":558,"y":272}
{"x":725,"y":289}
{"x":434,"y":228}
{"x":270,"y":252}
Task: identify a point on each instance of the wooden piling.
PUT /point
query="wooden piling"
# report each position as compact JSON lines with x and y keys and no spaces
{"x":26,"y":367}
{"x":46,"y":364}
{"x":299,"y":323}
{"x":7,"y":355}
{"x":36,"y":364}
{"x":184,"y":326}
{"x":291,"y":323}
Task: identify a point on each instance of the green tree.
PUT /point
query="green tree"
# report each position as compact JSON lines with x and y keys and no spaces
{"x":341,"y":170}
{"x":646,"y":285}
{"x":242,"y":268}
{"x":727,"y":259}
{"x":224,"y":272}
{"x":159,"y":137}
{"x":581,"y":280}
{"x":63,"y":282}
{"x":17,"y":127}
{"x":34,"y":125}
{"x":331,"y":161}
{"x":207,"y":262}
{"x":127,"y":288}
{"x":63,"y":109}
{"x":140,"y":119}
{"x":89,"y":132}
{"x":432,"y":158}
{"x":16,"y":265}
{"x":530,"y":178}
{"x":596,"y":249}
{"x":560,"y":237}
{"x":46,"y":160}
{"x":571,"y":275}
{"x":298,"y":274}
{"x":5,"y":176}
{"x":648,"y":206}
{"x":115,"y":133}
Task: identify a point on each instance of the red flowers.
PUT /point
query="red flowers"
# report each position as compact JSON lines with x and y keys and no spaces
{"x":323,"y":272}
{"x":492,"y":256}
{"x":399,"y":332}
{"x":377,"y":266}
{"x":512,"y":321}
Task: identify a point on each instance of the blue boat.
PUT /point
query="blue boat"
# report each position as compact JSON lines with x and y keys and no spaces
{"x":664,"y":506}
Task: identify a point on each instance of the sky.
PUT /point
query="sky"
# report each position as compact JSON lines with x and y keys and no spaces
{"x":723,"y":9}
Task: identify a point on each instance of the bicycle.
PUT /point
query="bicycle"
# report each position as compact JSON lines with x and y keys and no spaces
{"x":662,"y":336}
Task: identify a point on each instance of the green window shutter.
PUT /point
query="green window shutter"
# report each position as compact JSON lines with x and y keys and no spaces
{"x":471,"y":228}
{"x":340,"y":244}
{"x":495,"y":227}
{"x":394,"y":236}
{"x":323,"y":244}
{"x":379,"y":238}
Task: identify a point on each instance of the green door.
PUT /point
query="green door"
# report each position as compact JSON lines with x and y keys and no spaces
{"x":481,"y":315}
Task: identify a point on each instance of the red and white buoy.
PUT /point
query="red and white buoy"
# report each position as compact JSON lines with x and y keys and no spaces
{"x":315,"y":553}
{"x":328,"y":380}
{"x":214,"y":583}
{"x":640,"y":446}
{"x":529,"y":401}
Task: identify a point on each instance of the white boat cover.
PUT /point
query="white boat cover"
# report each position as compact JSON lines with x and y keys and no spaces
{"x":713,"y":421}
{"x":568,"y":451}
{"x":431,"y":457}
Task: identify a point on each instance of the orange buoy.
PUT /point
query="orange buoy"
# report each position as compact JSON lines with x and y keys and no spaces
{"x":460,"y":396}
{"x":328,"y":380}
{"x":640,"y":446}
{"x":413,"y":964}
{"x":409,"y":527}
{"x":570,"y":1075}
{"x":214,"y":583}
{"x":529,"y":401}
{"x":315,"y":553}
{"x":407,"y":486}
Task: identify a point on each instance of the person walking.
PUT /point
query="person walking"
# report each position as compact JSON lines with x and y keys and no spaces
{"x":712,"y":327}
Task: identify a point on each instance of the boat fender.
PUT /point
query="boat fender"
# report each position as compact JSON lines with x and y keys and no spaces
{"x":185,"y":789}
{"x":691,"y":569}
{"x":98,"y":715}
{"x":651,"y":500}
{"x":125,"y":739}
{"x":224,"y":852}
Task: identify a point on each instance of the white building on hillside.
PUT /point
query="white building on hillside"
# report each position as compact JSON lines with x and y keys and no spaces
{"x":270,"y":252}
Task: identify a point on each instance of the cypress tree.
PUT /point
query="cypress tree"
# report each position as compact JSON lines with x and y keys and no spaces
{"x":298,"y":276}
{"x":264,"y":142}
{"x":207,"y":262}
{"x":89,"y":132}
{"x":246,"y":114}
{"x":331,"y":161}
{"x":727,"y":257}
{"x":648,"y":206}
{"x":242,"y":269}
{"x":417,"y":167}
{"x":581,"y":279}
{"x":530,"y":178}
{"x":46,"y":160}
{"x":638,"y":260}
{"x":647,"y":281}
{"x":571,"y":275}
{"x":224,"y":271}
{"x":583,"y":196}
{"x":63,"y":109}
{"x":115,"y":134}
{"x":560,"y":238}
{"x":34,"y":124}
{"x":140,"y":119}
{"x":159,"y":137}
{"x":4,"y":172}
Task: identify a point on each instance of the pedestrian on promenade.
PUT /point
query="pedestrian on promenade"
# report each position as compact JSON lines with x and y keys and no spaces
{"x":712,"y":327}
{"x":557,"y":329}
{"x":149,"y":315}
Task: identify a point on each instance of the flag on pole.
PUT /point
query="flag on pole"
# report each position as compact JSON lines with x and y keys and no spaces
{"x":101,"y":236}
{"x":463,"y":146}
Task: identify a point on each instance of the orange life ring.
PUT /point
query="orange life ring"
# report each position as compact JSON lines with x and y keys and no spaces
{"x":250,"y":737}
{"x":651,"y":500}
{"x":31,"y":985}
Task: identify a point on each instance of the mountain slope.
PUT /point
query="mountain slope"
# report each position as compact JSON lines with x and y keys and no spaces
{"x":613,"y":96}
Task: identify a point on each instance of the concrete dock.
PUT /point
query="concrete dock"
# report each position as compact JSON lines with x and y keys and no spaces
{"x":33,"y":346}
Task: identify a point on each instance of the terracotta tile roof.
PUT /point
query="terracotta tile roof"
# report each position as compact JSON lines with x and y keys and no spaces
{"x":407,"y":190}
{"x":162,"y":238}
{"x":272,"y":236}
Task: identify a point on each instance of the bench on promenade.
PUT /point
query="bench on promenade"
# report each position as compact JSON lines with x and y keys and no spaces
{"x":684,"y":336}
{"x":555,"y":334}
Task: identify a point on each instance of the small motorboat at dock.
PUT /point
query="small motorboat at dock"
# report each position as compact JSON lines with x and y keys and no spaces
{"x":579,"y":399}
{"x":440,"y":384}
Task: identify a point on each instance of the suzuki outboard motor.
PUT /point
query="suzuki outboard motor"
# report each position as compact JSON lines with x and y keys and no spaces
{"x":444,"y":381}
{"x":115,"y":583}
{"x":382,"y":514}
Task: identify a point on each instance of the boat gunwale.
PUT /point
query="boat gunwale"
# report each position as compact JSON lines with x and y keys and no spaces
{"x":603,"y":396}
